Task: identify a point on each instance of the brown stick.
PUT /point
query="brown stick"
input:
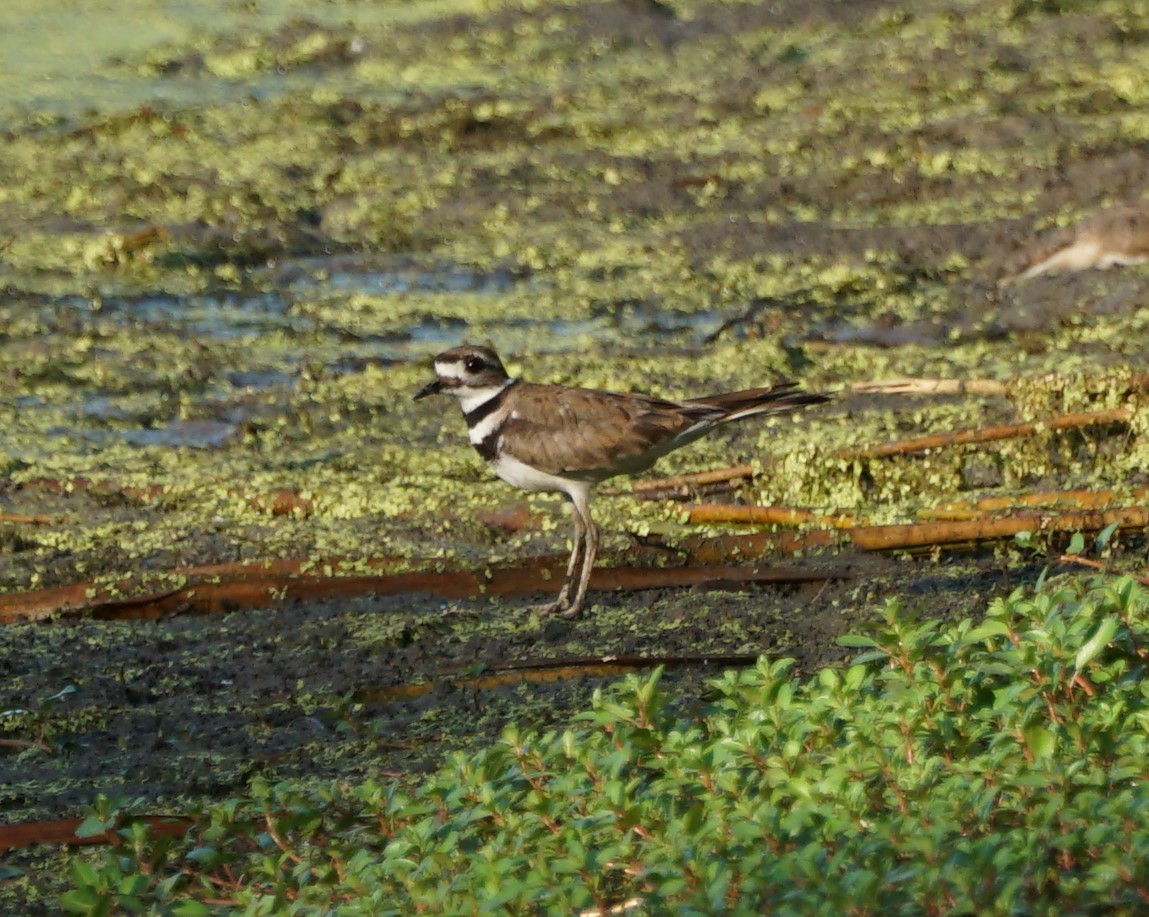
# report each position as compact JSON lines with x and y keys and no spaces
{"x":1084,"y":499}
{"x":1097,"y":565}
{"x":928,"y":534}
{"x":63,"y":831}
{"x":913,"y":535}
{"x":989,"y":434}
{"x":695,"y":479}
{"x":791,"y":517}
{"x":24,"y":744}
{"x":912,"y":386}
{"x":547,"y":671}
{"x":229,"y":587}
{"x":23,"y":519}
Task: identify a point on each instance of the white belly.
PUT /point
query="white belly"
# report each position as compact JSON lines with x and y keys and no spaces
{"x":520,"y":475}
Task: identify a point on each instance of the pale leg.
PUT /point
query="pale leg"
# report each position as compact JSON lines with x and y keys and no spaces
{"x":581,"y":509}
{"x":563,"y":600}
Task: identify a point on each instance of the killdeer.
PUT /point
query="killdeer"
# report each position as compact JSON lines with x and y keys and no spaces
{"x":1113,"y":237}
{"x":564,"y":439}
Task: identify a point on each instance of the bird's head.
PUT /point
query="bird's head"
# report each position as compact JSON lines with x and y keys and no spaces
{"x":466,"y":371}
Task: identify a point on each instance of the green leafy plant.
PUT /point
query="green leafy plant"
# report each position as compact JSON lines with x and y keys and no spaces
{"x":988,"y":765}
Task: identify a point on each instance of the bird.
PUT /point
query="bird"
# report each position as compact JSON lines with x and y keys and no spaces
{"x":1117,"y":236}
{"x":566,"y":439}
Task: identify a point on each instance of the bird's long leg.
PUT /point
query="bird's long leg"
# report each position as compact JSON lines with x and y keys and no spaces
{"x":563,"y":600}
{"x":581,"y":508}
{"x":577,"y":551}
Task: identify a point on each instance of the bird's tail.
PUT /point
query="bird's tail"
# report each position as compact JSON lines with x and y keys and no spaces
{"x":776,"y":399}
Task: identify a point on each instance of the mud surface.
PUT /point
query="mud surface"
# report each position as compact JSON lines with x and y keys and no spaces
{"x":213,"y":314}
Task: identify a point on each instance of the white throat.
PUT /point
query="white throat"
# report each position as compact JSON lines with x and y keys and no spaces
{"x":472,"y":398}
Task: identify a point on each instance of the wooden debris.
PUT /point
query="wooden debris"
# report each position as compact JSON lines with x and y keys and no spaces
{"x":537,"y":671}
{"x":26,"y":519}
{"x":912,"y":386}
{"x":909,"y":536}
{"x":931,"y":534}
{"x":1113,"y":237}
{"x":766,"y":515}
{"x":1098,"y":565}
{"x":1068,"y":499}
{"x":234,"y":586}
{"x":694,"y":479}
{"x":63,"y":831}
{"x":989,"y":434}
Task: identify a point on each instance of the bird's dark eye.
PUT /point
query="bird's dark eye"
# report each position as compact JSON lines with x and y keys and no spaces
{"x":475,"y":364}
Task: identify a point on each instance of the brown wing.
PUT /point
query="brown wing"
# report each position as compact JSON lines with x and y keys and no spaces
{"x":590,"y":434}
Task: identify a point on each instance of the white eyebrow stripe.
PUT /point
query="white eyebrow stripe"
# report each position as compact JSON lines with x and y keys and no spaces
{"x":448,"y":371}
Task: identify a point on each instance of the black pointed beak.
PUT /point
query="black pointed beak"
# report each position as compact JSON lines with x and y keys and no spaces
{"x":431,"y":388}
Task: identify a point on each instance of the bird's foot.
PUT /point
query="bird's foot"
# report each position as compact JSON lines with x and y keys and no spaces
{"x":562,"y":607}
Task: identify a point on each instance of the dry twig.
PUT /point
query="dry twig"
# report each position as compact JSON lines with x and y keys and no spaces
{"x":694,"y":479}
{"x":26,"y":519}
{"x":989,"y":434}
{"x":767,"y":515}
{"x":1097,"y":565}
{"x":226,"y":587}
{"x":930,"y":534}
{"x":1075,"y":499}
{"x":913,"y":386}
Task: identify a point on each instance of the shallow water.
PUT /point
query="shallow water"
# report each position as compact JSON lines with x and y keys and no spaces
{"x":66,"y":59}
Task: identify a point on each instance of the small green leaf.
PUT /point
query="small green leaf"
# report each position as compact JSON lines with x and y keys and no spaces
{"x":92,"y":825}
{"x":1076,"y":544}
{"x":133,"y":885}
{"x":1039,"y":740}
{"x":855,"y":675}
{"x":857,"y":641}
{"x":188,"y":907}
{"x":994,"y":627}
{"x":84,"y":873}
{"x":1104,"y":535}
{"x":80,"y":901}
{"x":1105,"y":631}
{"x":205,"y":856}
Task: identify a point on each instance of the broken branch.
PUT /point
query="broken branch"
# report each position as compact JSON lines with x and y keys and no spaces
{"x":989,"y":434}
{"x":767,"y":515}
{"x":694,"y":479}
{"x":1097,"y":565}
{"x":232,"y":586}
{"x":930,"y":534}
{"x":912,"y":386}
{"x":1080,"y":499}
